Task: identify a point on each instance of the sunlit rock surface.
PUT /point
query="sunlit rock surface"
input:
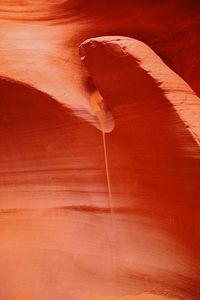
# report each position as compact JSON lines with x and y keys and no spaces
{"x":86,"y":214}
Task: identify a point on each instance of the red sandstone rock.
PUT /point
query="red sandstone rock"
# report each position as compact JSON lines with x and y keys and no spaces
{"x":60,"y":239}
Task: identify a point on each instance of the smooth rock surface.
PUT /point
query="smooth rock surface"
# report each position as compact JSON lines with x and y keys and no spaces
{"x":62,"y":235}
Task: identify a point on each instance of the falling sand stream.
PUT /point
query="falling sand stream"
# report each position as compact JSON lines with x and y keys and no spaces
{"x":106,"y":125}
{"x":104,"y":119}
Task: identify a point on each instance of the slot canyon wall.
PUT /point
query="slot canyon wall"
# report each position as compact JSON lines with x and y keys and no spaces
{"x":100,"y":150}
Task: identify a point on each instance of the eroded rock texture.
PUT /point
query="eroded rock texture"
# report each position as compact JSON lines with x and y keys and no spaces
{"x":99,"y":153}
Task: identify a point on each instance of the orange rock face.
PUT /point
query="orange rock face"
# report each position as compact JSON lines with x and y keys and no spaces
{"x":100,"y":149}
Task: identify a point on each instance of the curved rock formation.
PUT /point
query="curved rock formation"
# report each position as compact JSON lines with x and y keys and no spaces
{"x":99,"y":179}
